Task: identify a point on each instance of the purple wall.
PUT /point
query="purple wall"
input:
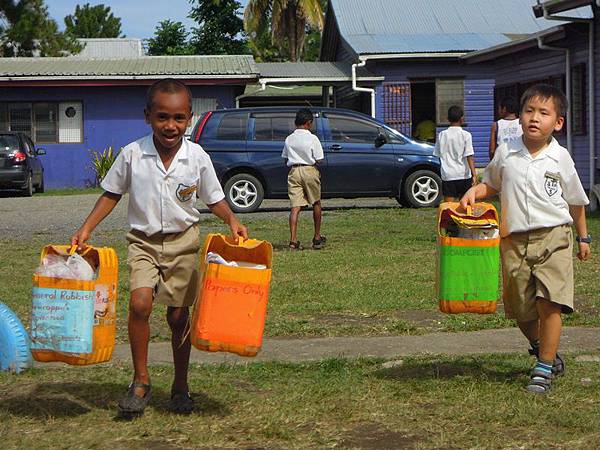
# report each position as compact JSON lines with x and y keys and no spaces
{"x":535,"y":64}
{"x":479,"y":93}
{"x":112,"y":116}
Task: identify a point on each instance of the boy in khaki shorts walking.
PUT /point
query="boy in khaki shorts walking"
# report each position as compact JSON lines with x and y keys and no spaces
{"x":163,"y":173}
{"x":302,"y":152}
{"x":541,"y":197}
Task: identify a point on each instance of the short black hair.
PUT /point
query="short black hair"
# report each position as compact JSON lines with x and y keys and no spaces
{"x":510,"y":105}
{"x":455,"y":113}
{"x":169,"y":86}
{"x":545,"y":92}
{"x":303,"y":116}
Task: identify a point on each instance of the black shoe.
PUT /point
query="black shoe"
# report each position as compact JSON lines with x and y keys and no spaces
{"x":133,"y":405}
{"x":318,"y":244}
{"x":181,"y":403}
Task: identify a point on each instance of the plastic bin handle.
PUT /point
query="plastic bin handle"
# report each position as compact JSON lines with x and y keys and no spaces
{"x":73,"y":249}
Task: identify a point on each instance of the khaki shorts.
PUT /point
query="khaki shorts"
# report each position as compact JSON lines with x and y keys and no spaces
{"x":304,"y":185}
{"x":167,"y":263}
{"x":537,"y":263}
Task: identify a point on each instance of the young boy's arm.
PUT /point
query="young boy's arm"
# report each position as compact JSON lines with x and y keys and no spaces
{"x":471,"y":163}
{"x":493,"y":139}
{"x":578,"y":215}
{"x":222,"y":211}
{"x":477,"y":192}
{"x":102,"y":208}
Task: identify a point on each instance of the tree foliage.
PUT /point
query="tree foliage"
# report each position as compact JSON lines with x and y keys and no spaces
{"x":219,"y":27}
{"x":26,"y":29}
{"x":287,"y":20}
{"x":170,"y":38}
{"x":93,"y":22}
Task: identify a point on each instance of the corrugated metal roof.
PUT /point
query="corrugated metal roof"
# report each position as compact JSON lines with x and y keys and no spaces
{"x":431,"y":26}
{"x":254,"y":90}
{"x":110,"y":48}
{"x":145,"y":67}
{"x":313,"y":70}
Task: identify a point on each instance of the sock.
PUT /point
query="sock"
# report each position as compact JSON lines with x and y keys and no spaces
{"x":544,"y":367}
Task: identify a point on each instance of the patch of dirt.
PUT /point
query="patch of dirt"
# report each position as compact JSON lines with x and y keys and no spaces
{"x":369,"y":435}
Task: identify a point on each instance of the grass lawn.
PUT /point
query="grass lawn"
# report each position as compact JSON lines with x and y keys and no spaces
{"x":424,"y":403}
{"x":376,"y":277}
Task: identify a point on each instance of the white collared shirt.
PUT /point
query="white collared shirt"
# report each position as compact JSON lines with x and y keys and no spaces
{"x":536,"y":192}
{"x":163,"y":201}
{"x":302,"y":147}
{"x":452,"y":147}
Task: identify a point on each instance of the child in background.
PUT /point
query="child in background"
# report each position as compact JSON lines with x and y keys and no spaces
{"x":163,"y":173}
{"x":541,"y":197}
{"x":508,"y":127}
{"x":454,"y":147}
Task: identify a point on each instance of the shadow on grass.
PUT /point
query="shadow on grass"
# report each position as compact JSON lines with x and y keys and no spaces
{"x":464,"y":367}
{"x":74,"y":399}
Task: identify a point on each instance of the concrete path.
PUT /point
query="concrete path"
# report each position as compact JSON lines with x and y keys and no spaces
{"x":297,"y":350}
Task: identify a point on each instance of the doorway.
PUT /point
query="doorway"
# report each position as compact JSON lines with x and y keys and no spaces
{"x":423,"y":109}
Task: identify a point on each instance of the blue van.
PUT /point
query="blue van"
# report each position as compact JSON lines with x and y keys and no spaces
{"x":363,"y":157}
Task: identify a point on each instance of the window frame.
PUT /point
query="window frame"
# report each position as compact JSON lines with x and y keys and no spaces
{"x":330,"y":116}
{"x":441,"y":118}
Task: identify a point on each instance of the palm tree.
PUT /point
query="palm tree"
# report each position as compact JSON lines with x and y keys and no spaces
{"x":288,"y":22}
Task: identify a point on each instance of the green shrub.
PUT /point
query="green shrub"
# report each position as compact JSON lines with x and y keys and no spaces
{"x":102,"y":162}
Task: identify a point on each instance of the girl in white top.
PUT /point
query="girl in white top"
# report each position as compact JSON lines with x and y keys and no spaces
{"x":508,"y":127}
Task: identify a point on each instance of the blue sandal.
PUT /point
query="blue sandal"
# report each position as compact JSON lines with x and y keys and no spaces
{"x":558,"y":367}
{"x":540,"y":382}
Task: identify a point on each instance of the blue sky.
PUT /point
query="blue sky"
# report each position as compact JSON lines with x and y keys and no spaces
{"x":139,"y":18}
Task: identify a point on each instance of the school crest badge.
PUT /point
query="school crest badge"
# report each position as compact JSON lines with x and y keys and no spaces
{"x":551,"y":184}
{"x":184,"y":192}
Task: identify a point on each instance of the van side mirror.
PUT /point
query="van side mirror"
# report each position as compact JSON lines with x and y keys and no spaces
{"x":380,"y":140}
{"x":40,"y":151}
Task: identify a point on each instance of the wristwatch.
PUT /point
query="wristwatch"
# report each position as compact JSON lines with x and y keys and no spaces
{"x":587,"y":239}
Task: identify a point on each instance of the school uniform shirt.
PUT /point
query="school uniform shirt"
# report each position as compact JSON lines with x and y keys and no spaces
{"x":452,"y":147}
{"x":160,"y":200}
{"x":536,"y":192}
{"x":507,"y":130}
{"x":302,"y":147}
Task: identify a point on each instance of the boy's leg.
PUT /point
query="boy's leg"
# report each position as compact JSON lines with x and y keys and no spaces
{"x":550,"y":328}
{"x":317,"y":216}
{"x":178,"y":320}
{"x":140,"y":307}
{"x":530,"y":329}
{"x":295,"y":211}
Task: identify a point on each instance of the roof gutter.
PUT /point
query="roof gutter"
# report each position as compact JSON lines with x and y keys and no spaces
{"x":412,"y":55}
{"x":355,"y":88}
{"x":591,"y":89}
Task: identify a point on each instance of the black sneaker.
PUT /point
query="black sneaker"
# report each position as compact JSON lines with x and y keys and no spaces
{"x":318,"y":244}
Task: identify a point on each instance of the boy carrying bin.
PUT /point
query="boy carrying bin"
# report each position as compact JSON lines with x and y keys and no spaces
{"x":541,"y":197}
{"x":163,"y":173}
{"x":454,"y":147}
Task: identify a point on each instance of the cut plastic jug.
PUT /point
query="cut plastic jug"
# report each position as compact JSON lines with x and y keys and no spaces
{"x":230,"y":311}
{"x":468,"y":259}
{"x":74,"y":321}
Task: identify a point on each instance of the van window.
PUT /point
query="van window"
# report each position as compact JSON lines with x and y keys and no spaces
{"x":233,"y":127}
{"x":346,"y":129}
{"x":275,"y":126}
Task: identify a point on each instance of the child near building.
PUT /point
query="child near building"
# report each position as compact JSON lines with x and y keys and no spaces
{"x":508,"y":127}
{"x":454,"y":147}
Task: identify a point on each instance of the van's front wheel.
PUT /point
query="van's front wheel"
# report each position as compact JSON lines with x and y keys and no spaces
{"x":244,"y":193}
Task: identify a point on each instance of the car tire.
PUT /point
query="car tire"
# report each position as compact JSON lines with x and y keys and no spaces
{"x":244,"y":193}
{"x":40,"y":187}
{"x":422,"y":189}
{"x":28,"y":189}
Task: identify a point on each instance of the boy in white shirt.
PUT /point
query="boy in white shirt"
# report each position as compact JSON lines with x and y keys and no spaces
{"x":508,"y":127}
{"x":302,"y":151}
{"x":163,"y":173}
{"x":454,"y":147}
{"x":541,"y":197}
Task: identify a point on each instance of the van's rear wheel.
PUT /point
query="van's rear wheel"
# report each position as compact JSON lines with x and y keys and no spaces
{"x":244,"y":193}
{"x":422,"y":189}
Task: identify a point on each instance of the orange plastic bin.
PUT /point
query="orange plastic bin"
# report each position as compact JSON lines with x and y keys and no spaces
{"x":230,"y":311}
{"x":100,"y":295}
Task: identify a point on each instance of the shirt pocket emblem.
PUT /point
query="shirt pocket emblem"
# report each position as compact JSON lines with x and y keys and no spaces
{"x":184,"y":192}
{"x":551,"y":183}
